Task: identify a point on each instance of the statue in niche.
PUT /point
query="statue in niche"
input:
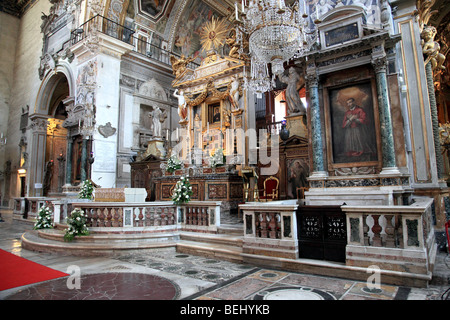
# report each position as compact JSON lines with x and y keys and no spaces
{"x":158,"y":117}
{"x":294,"y":83}
{"x":431,"y":48}
{"x":182,"y":108}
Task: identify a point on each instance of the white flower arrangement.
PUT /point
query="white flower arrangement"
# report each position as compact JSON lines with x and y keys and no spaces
{"x":182,"y":191}
{"x":77,"y":225}
{"x":173,"y":164}
{"x":86,"y":190}
{"x":44,"y":219}
{"x":217,"y":158}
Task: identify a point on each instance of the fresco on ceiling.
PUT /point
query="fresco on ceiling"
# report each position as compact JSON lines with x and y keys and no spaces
{"x":162,"y":22}
{"x":152,"y":7}
{"x":187,"y":37}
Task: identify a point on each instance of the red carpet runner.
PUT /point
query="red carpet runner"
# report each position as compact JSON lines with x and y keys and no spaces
{"x":16,"y":271}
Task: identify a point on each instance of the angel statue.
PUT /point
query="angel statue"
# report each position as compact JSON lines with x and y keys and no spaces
{"x":179,"y":65}
{"x":235,"y":92}
{"x":294,"y":83}
{"x":182,"y":108}
{"x":431,"y":48}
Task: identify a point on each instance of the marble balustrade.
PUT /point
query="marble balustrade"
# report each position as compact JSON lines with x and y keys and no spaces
{"x":270,"y":229}
{"x":159,"y":216}
{"x":398,"y":238}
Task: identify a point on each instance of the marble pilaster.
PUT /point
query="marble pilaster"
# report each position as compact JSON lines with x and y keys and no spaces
{"x":83,"y":159}
{"x":387,"y":138}
{"x":316,"y":127}
{"x":39,"y":139}
{"x":434,"y":121}
{"x":69,"y":161}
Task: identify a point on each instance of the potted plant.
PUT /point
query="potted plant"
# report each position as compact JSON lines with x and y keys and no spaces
{"x":173,"y":164}
{"x":77,"y":225}
{"x":44,"y":219}
{"x":217,"y":159}
{"x":86,"y":190}
{"x":182,"y":191}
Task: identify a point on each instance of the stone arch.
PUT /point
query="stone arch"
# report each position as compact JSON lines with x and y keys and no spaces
{"x":62,"y":72}
{"x":49,"y":137}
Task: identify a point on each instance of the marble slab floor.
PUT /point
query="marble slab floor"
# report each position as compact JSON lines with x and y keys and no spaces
{"x":164,"y":274}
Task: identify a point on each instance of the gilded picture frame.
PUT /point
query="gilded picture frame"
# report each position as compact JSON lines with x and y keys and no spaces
{"x":352,"y":125}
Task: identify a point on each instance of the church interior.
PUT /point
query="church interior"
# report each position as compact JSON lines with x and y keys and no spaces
{"x":288,"y":131}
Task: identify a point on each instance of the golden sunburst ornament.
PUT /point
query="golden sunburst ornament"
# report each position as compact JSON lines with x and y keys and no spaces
{"x":213,"y":34}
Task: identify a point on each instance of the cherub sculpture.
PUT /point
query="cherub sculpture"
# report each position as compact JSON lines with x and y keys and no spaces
{"x":431,"y":48}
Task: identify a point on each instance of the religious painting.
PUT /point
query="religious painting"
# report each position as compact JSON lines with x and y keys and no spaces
{"x":188,"y":36}
{"x":214,"y":113}
{"x":152,"y":7}
{"x":297,"y":170}
{"x":352,"y":124}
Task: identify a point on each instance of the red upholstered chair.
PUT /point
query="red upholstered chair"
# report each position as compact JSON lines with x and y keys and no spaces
{"x":270,"y":189}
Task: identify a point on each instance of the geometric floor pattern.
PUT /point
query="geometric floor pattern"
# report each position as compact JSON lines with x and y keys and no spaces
{"x":164,"y":274}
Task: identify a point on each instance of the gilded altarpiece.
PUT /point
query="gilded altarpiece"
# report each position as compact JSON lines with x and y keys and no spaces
{"x":212,"y":108}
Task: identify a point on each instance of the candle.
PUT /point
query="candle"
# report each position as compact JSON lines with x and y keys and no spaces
{"x":279,"y":3}
{"x":236,"y":10}
{"x":243,"y":7}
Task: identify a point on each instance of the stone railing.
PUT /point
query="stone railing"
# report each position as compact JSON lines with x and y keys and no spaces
{"x":270,"y":228}
{"x":200,"y":216}
{"x":132,"y":217}
{"x":30,"y":204}
{"x":398,"y":238}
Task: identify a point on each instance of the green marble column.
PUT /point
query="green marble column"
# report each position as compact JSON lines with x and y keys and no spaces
{"x":316,"y":125}
{"x":69,"y":161}
{"x":435,"y":122}
{"x":83,"y":159}
{"x":387,"y":138}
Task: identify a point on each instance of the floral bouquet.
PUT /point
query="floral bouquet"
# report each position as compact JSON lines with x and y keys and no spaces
{"x":173,"y":164}
{"x":217,"y":159}
{"x":77,"y":225}
{"x":86,"y":190}
{"x":44,"y":219}
{"x":182,"y":192}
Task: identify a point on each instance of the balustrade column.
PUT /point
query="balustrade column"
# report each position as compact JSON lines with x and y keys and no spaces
{"x":387,"y":139}
{"x":316,"y":126}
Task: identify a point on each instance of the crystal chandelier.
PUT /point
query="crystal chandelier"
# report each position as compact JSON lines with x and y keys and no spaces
{"x":276,"y":33}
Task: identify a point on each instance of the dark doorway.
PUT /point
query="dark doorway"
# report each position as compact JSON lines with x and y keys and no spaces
{"x":322,"y":233}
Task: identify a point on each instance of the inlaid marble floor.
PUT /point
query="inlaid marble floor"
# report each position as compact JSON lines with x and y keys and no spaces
{"x":164,"y":274}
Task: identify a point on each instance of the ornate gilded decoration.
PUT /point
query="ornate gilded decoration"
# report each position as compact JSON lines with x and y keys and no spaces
{"x":213,"y":34}
{"x":179,"y":65}
{"x":424,"y":12}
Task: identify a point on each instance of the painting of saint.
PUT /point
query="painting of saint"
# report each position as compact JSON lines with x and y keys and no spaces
{"x":353,"y":125}
{"x":297,"y":172}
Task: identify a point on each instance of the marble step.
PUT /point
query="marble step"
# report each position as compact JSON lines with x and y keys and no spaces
{"x":221,"y":239}
{"x":93,"y":237}
{"x":82,"y":246}
{"x":234,"y":229}
{"x":211,"y":250}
